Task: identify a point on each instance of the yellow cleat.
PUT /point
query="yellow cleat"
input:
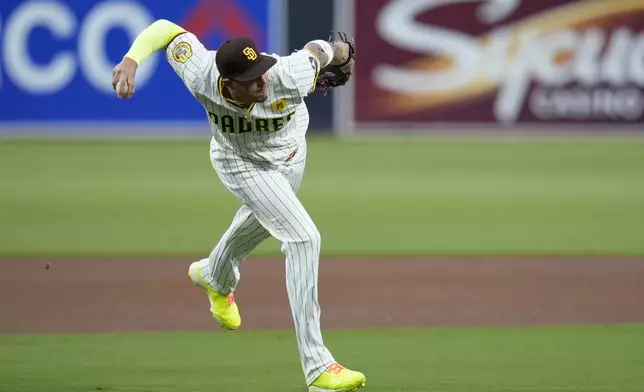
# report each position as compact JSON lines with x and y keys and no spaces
{"x":337,"y":378}
{"x":223,"y":307}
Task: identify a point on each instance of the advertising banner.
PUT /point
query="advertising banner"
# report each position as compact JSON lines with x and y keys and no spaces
{"x":494,"y":64}
{"x":56,"y":57}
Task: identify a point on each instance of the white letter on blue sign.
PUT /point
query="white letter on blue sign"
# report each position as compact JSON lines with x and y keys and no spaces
{"x":23,"y":72}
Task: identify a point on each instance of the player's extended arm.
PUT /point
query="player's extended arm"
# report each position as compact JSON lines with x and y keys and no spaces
{"x":155,"y":37}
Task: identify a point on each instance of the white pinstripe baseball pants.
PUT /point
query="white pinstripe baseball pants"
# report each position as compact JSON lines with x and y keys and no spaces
{"x":271,"y":207}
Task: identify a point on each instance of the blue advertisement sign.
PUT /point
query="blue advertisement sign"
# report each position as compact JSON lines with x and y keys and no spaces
{"x":56,"y":56}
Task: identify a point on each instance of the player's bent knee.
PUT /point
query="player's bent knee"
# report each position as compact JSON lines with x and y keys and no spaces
{"x":314,"y":239}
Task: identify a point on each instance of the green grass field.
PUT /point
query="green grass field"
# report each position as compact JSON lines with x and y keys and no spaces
{"x":147,"y":198}
{"x":527,"y":359}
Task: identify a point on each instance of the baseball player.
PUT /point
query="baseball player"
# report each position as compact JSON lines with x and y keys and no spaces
{"x":254,"y":103}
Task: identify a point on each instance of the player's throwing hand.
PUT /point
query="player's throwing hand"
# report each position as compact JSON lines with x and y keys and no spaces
{"x":123,"y":78}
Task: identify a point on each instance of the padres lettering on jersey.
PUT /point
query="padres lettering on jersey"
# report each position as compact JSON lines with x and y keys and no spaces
{"x":267,"y":130}
{"x":228,"y":124}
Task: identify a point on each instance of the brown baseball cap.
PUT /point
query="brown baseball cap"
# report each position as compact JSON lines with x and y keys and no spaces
{"x":239,"y":59}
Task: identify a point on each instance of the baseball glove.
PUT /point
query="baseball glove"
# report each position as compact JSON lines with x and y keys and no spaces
{"x":336,"y":75}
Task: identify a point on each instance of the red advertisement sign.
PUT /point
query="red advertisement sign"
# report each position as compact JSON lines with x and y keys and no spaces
{"x":500,"y":63}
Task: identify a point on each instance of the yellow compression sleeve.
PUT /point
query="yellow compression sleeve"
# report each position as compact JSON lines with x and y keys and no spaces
{"x":156,"y":36}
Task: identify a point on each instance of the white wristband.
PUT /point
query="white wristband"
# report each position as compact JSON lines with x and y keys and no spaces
{"x":326,"y":47}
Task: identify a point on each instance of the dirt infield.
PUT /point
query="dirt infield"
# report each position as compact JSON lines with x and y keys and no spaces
{"x":156,"y":295}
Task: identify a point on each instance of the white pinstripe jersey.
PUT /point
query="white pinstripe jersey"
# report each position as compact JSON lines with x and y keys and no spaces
{"x":267,"y":131}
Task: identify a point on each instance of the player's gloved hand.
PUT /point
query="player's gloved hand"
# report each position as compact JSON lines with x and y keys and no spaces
{"x":123,"y":78}
{"x":339,"y":71}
